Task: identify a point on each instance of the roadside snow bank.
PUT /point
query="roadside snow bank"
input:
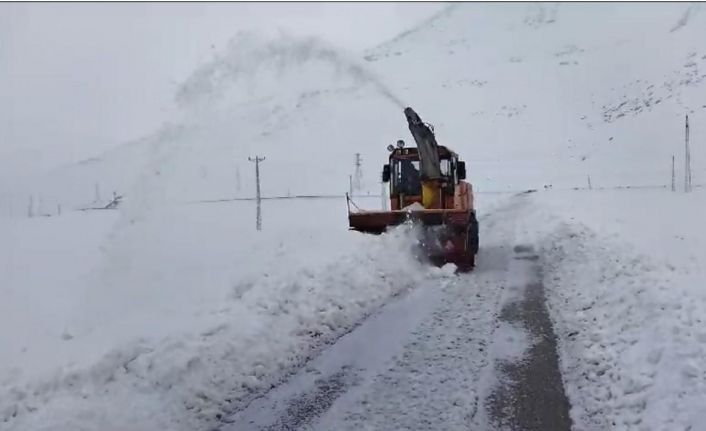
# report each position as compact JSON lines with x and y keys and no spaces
{"x":202,"y":314}
{"x":631,"y":326}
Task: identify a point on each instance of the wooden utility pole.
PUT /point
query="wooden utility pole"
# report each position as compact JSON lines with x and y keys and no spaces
{"x":257,"y":160}
{"x":674,"y":186}
{"x":687,"y":160}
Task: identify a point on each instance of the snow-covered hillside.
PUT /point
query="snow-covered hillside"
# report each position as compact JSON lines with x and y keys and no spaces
{"x":547,"y":94}
{"x":530,"y":94}
{"x":170,"y":314}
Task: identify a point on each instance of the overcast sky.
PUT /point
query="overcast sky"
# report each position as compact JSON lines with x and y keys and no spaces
{"x":77,"y":78}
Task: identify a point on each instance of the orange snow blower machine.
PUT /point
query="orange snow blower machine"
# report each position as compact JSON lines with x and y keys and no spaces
{"x":427,"y":189}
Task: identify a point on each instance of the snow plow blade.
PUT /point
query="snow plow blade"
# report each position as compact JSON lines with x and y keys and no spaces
{"x":448,"y":235}
{"x":377,"y":222}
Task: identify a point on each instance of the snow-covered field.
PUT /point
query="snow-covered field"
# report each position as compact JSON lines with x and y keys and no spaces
{"x":172,"y":314}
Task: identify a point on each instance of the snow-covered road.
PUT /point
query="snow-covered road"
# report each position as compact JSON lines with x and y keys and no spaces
{"x":441,"y":357}
{"x":560,"y":306}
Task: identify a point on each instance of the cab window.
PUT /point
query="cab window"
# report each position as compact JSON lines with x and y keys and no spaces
{"x":406,"y":177}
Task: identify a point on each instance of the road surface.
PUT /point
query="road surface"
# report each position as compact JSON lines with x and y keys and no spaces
{"x":476,"y":352}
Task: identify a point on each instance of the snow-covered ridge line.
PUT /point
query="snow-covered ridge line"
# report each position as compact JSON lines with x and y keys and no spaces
{"x":424,"y":25}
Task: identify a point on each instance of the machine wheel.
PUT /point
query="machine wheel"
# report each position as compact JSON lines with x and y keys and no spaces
{"x":467,"y":261}
{"x":473,"y":235}
{"x":466,"y":264}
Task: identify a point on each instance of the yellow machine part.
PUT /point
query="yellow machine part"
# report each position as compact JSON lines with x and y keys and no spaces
{"x":430,"y":194}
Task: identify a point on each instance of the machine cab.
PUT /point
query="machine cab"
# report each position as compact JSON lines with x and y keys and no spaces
{"x":403,"y":174}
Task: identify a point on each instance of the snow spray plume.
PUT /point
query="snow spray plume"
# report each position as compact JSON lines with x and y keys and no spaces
{"x":249,"y":54}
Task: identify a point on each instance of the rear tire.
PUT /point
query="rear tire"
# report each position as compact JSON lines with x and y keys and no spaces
{"x":467,"y":261}
{"x":473,"y":235}
{"x":466,"y":265}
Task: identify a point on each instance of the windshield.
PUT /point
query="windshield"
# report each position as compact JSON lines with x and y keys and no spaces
{"x":406,"y":177}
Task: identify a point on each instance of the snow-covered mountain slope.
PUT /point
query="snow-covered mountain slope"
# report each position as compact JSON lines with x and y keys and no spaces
{"x":300,"y":103}
{"x":167,"y":315}
{"x":539,"y":94}
{"x":530,"y":94}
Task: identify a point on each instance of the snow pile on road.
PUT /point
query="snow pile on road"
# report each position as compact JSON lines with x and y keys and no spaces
{"x":223,"y":354}
{"x":628,"y":305}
